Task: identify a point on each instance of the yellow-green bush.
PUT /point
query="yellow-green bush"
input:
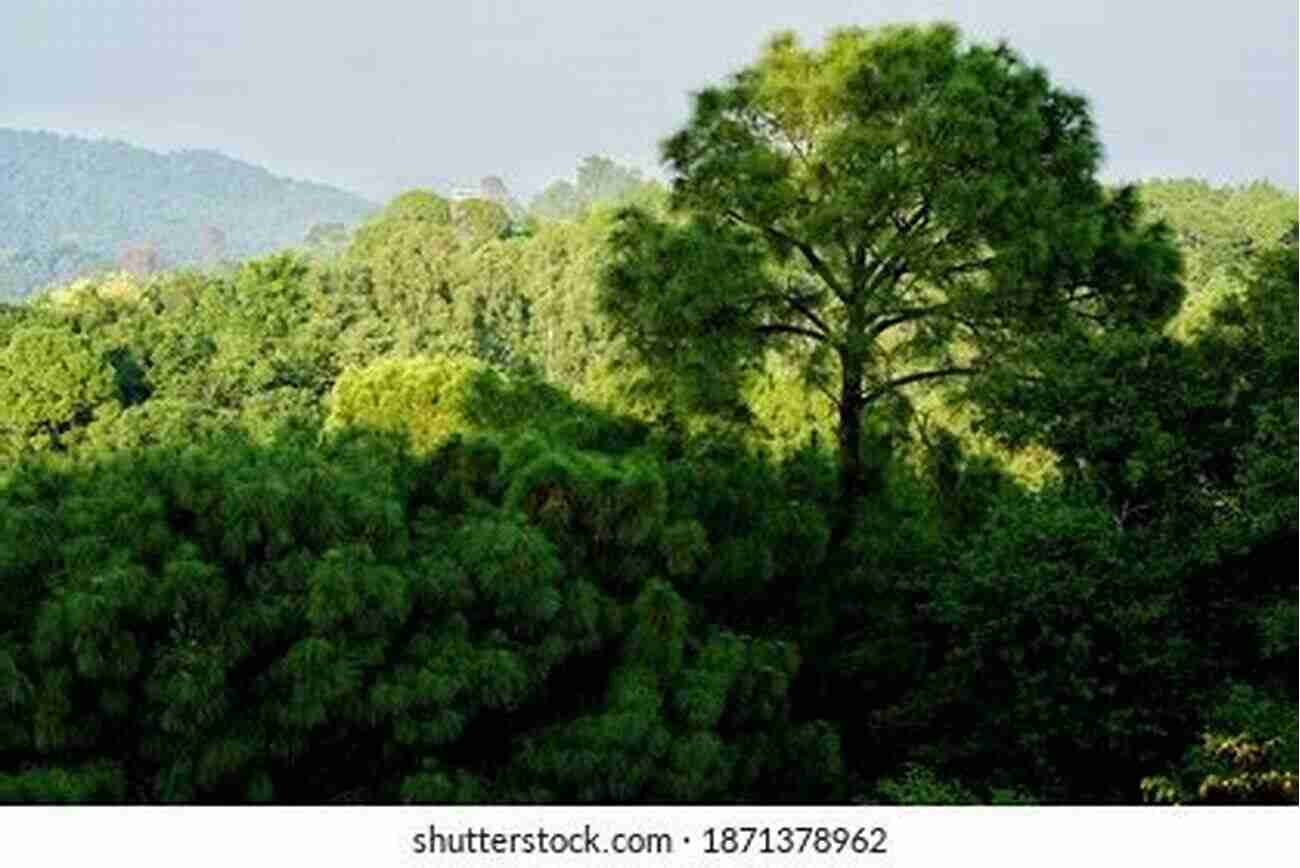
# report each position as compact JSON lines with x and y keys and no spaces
{"x":422,"y":397}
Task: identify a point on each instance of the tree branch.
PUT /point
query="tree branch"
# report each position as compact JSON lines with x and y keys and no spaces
{"x":809,"y":254}
{"x":790,"y":140}
{"x":885,"y":388}
{"x":797,"y":303}
{"x":905,"y":316}
{"x":777,"y":328}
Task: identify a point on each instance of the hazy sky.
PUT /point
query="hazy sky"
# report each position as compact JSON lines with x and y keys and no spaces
{"x":381,"y":95}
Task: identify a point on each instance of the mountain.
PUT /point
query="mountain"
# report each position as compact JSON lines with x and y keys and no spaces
{"x":70,"y":205}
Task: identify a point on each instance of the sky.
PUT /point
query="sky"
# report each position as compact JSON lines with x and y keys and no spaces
{"x":385,"y":95}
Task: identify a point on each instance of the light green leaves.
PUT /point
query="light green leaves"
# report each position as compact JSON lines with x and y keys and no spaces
{"x":52,"y":382}
{"x":420,"y":397}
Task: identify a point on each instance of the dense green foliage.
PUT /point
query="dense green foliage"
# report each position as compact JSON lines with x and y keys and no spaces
{"x":894,"y":209}
{"x":1219,"y":230}
{"x":70,"y":206}
{"x":413,"y":521}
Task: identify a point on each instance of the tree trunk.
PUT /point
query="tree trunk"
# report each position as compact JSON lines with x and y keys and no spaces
{"x":852,"y":481}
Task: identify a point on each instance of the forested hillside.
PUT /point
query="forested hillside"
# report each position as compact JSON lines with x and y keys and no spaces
{"x":713,"y":491}
{"x":1218,"y":229}
{"x":71,"y":206}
